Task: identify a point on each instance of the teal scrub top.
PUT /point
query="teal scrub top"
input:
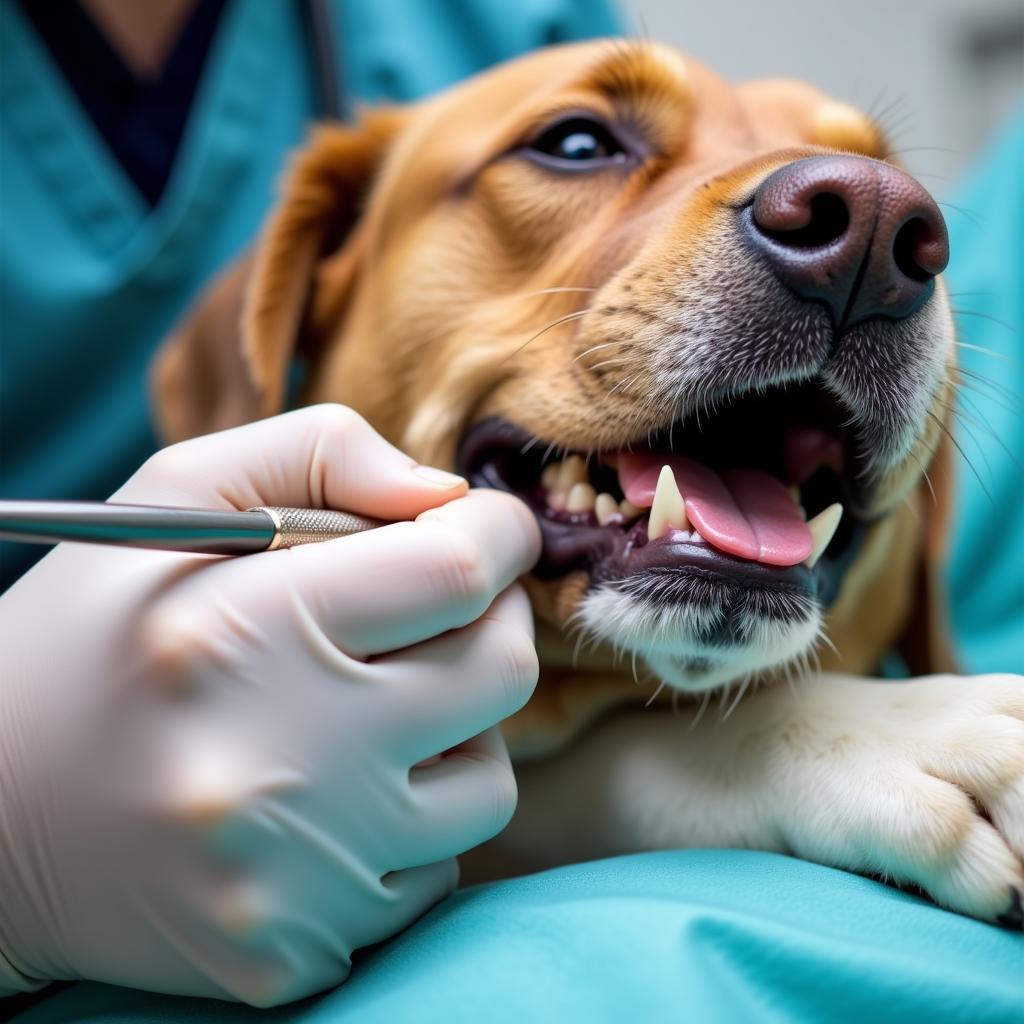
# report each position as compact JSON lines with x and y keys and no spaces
{"x":92,"y":278}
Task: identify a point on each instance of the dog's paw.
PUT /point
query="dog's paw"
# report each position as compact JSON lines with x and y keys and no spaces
{"x":921,"y":783}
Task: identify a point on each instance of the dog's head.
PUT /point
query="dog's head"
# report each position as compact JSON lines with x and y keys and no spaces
{"x":598,"y":261}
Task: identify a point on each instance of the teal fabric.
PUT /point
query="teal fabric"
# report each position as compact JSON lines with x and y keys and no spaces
{"x":91,"y":279}
{"x":707,"y":936}
{"x":986,"y":278}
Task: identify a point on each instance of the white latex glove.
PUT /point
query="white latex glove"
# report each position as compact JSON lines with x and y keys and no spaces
{"x":207,"y":766}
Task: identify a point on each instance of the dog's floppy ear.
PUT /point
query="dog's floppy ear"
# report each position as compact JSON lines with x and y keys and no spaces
{"x":228,"y":362}
{"x":926,"y":645}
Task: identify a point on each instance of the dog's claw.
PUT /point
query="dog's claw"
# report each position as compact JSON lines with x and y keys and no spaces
{"x":1014,"y":917}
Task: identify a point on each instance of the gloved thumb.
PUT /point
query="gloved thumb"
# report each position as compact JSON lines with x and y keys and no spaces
{"x":324,"y":456}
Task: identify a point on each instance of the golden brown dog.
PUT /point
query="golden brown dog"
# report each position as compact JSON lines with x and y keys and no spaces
{"x":599,"y":260}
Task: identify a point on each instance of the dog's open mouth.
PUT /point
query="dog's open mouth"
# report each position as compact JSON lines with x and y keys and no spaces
{"x":754,"y":494}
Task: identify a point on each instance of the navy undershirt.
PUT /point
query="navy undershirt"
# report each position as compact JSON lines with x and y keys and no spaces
{"x":141,"y":121}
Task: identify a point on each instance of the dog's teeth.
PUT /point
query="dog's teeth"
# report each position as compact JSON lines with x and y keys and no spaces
{"x":574,"y":471}
{"x":823,"y":527}
{"x":556,"y":499}
{"x":581,"y":498}
{"x":606,"y":508}
{"x":549,"y":478}
{"x":629,"y":510}
{"x":668,"y":509}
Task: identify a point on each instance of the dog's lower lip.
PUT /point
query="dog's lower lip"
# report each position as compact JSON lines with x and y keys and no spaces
{"x":611,"y":555}
{"x":682,"y":555}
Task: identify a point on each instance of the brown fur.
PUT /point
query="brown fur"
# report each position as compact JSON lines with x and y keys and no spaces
{"x":410,"y":263}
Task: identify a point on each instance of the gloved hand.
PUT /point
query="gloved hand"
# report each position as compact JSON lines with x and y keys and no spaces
{"x":209,"y":768}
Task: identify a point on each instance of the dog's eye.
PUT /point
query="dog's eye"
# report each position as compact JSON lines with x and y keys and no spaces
{"x":579,"y":142}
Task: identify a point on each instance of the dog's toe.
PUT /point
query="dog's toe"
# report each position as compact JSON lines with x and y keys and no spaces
{"x":975,"y":878}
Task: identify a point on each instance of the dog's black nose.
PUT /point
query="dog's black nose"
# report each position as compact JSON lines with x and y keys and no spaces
{"x":856,"y":234}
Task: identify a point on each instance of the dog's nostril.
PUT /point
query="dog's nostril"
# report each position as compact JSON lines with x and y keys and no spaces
{"x":917,"y":252}
{"x":859,"y":236}
{"x":829,"y":218}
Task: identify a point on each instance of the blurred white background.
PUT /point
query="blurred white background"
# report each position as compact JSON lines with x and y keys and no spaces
{"x":943,"y":73}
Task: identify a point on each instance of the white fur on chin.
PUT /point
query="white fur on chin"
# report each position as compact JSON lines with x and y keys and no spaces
{"x":666,"y":636}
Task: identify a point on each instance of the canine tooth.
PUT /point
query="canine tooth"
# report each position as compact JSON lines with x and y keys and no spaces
{"x":606,"y":508}
{"x":668,"y":509}
{"x":549,"y":478}
{"x":581,"y":498}
{"x":629,"y":510}
{"x":556,"y":499}
{"x":574,"y":471}
{"x":823,"y":527}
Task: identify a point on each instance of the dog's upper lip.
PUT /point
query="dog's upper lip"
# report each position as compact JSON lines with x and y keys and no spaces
{"x":491,"y":433}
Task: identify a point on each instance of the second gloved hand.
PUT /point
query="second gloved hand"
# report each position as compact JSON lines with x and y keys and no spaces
{"x":211,"y":778}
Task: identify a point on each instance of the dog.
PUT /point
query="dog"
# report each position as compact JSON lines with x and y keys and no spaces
{"x":601,"y":260}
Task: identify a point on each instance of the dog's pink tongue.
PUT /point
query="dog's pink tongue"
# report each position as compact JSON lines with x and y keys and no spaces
{"x":744,"y":512}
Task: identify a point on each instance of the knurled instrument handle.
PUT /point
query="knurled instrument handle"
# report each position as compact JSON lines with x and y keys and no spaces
{"x":295,"y":526}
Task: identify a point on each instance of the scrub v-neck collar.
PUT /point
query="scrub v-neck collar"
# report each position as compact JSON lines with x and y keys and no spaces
{"x":140,"y":115}
{"x":85,"y":180}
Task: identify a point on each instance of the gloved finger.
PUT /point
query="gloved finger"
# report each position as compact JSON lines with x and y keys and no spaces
{"x":455,"y":686}
{"x":323,"y":456}
{"x":417,"y":582}
{"x":403,"y":896}
{"x":464,"y":799}
{"x":377,"y":591}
